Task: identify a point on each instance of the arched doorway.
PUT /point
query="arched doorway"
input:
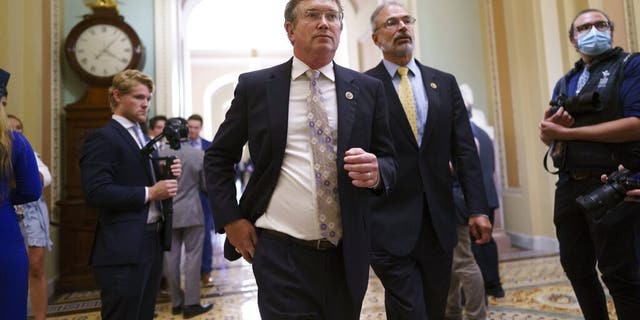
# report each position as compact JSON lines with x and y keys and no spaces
{"x":212,"y":42}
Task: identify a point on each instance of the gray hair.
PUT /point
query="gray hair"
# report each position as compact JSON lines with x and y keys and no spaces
{"x":379,"y":8}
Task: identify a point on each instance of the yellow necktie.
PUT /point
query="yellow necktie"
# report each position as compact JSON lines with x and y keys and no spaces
{"x":406,"y":98}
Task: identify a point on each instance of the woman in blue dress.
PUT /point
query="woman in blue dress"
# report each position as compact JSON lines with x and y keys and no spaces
{"x":19,"y":183}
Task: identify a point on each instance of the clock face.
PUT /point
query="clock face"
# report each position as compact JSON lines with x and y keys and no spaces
{"x":100,"y":46}
{"x":103,"y":50}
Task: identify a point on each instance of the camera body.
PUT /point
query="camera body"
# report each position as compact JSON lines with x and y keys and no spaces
{"x":614,"y":191}
{"x":174,"y":131}
{"x":583,"y":103}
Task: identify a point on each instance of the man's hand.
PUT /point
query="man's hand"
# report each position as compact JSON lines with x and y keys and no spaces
{"x":163,"y":189}
{"x":176,"y":168}
{"x":242,"y":235}
{"x":550,"y":131}
{"x":560,"y":117}
{"x":480,"y":228}
{"x":362,"y":167}
{"x":554,"y":124}
{"x":632,"y":195}
{"x":605,"y":176}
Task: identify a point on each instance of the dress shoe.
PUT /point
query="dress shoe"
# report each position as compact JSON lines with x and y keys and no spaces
{"x":195,"y":309}
{"x":176,"y":310}
{"x":496,"y":292}
{"x":164,"y":284}
{"x":206,"y":280}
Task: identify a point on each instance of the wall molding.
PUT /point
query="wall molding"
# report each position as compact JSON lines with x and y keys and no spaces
{"x":630,"y":15}
{"x":55,"y":97}
{"x":538,"y":243}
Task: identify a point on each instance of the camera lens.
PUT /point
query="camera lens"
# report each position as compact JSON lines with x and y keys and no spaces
{"x":607,"y":196}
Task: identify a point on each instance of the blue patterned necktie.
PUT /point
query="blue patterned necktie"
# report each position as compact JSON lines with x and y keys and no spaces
{"x":139,"y":136}
{"x":142,"y":141}
{"x":584,"y":77}
{"x":323,"y":145}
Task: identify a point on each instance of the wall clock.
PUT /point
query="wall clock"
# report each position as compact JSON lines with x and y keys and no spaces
{"x":102,"y":45}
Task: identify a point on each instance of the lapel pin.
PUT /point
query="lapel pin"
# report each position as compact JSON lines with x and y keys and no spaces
{"x":348,"y":95}
{"x":434,"y":85}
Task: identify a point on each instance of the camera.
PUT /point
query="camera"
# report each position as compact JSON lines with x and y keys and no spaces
{"x":580,"y":104}
{"x":614,"y":191}
{"x":175,"y":130}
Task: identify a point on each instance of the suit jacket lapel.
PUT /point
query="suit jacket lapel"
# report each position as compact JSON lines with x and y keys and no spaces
{"x":395,"y":106}
{"x":126,"y":136}
{"x":433,"y":99}
{"x":347,"y":94}
{"x":278,"y":86}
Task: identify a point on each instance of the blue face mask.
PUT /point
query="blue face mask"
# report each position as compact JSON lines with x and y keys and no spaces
{"x":594,"y":42}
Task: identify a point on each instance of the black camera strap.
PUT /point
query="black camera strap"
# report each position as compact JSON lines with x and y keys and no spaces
{"x":546,"y":157}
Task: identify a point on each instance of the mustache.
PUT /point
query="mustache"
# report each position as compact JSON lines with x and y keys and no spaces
{"x":402,"y":35}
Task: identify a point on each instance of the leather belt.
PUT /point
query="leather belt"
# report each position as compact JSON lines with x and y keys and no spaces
{"x":154,"y":226}
{"x":582,"y":175}
{"x":319,"y":245}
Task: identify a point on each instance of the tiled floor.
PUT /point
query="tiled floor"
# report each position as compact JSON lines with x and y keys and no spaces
{"x":535,"y":286}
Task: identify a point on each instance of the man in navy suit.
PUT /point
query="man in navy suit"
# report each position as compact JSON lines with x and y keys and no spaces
{"x":121,"y":183}
{"x":414,"y":228}
{"x":194,"y":122}
{"x":486,"y":254}
{"x":306,"y":115}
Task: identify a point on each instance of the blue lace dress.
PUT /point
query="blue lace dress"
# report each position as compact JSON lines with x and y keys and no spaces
{"x":14,"y":264}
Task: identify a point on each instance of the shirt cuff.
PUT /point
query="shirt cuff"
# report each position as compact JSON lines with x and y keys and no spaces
{"x":378,"y":183}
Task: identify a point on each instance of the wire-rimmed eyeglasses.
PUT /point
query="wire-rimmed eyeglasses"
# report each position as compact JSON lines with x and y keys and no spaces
{"x":395,"y":22}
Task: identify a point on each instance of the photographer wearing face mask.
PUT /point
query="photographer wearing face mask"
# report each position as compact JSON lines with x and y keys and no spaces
{"x":585,"y":143}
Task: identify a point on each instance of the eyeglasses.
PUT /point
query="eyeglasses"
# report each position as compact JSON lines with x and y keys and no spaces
{"x":395,"y":22}
{"x":330,"y":16}
{"x":600,"y":25}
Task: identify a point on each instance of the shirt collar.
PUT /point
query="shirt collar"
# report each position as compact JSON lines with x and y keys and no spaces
{"x":299,"y":68}
{"x":123,"y":121}
{"x":392,"y":68}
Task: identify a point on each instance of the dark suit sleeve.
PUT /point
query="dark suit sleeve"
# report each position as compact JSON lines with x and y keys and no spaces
{"x":221,"y":156}
{"x":382,"y":143}
{"x":100,"y":162}
{"x":465,"y":155}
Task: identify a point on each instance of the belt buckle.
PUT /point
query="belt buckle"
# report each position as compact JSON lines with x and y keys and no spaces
{"x":318,"y":243}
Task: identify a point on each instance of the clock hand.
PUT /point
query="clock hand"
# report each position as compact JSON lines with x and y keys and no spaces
{"x":110,"y":43}
{"x":109,"y":53}
{"x":105,"y":48}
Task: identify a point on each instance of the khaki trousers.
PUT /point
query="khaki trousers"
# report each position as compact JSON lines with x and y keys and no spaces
{"x":465,"y":274}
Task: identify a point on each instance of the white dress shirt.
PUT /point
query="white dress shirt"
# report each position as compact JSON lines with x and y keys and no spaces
{"x":293,"y":207}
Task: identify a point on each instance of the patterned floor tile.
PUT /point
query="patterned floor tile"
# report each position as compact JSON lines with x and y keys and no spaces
{"x":536,"y":288}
